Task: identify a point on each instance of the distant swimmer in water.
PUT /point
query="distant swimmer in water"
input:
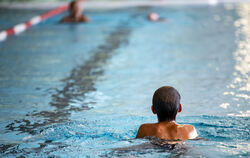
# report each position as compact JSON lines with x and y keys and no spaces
{"x":154,"y":17}
{"x":75,"y":13}
{"x":166,"y":104}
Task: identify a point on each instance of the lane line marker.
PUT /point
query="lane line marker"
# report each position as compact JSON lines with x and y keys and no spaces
{"x":3,"y":35}
{"x":19,"y":28}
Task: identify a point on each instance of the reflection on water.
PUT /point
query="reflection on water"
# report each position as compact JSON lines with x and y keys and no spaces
{"x":240,"y":85}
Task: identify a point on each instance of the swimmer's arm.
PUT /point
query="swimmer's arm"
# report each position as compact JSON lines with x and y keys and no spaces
{"x":200,"y":138}
{"x":163,"y":20}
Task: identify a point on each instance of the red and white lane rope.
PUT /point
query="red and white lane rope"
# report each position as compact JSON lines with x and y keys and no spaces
{"x":33,"y":21}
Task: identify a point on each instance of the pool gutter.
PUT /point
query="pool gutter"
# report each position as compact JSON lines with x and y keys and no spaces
{"x":115,"y":4}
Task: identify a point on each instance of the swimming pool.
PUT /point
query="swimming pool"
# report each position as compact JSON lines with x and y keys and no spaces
{"x":83,"y":90}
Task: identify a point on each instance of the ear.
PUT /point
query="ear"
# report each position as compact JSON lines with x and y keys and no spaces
{"x":153,"y":110}
{"x":180,"y":108}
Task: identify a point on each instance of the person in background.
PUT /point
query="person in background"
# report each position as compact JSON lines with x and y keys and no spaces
{"x":75,"y":13}
{"x":154,"y":17}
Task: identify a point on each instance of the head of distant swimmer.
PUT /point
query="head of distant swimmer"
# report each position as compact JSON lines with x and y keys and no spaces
{"x":153,"y":16}
{"x":75,"y":8}
{"x":166,"y":103}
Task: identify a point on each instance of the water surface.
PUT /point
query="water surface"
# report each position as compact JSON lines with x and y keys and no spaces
{"x":83,"y":90}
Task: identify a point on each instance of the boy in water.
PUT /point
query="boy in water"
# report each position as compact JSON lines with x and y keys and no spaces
{"x":166,"y":104}
{"x":154,"y":17}
{"x":75,"y":13}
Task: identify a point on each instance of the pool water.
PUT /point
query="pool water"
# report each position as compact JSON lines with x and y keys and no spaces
{"x":83,"y":90}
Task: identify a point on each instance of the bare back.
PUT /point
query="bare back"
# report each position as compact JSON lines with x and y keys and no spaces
{"x":167,"y":130}
{"x":72,"y":19}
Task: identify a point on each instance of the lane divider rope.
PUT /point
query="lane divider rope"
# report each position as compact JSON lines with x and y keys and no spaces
{"x":19,"y":28}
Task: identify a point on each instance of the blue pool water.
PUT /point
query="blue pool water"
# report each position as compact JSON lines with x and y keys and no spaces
{"x":83,"y":90}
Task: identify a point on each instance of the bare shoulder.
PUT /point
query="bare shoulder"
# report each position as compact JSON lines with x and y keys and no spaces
{"x":65,"y":19}
{"x":84,"y":19}
{"x":187,"y":131}
{"x":145,"y":126}
{"x":143,"y":130}
{"x":191,"y":131}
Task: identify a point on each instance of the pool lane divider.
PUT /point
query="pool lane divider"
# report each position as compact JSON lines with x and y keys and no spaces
{"x":33,"y":21}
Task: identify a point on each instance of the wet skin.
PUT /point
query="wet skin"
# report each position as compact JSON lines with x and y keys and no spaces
{"x":169,"y":130}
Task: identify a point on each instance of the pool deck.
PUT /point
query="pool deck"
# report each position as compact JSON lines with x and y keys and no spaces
{"x":115,"y":4}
